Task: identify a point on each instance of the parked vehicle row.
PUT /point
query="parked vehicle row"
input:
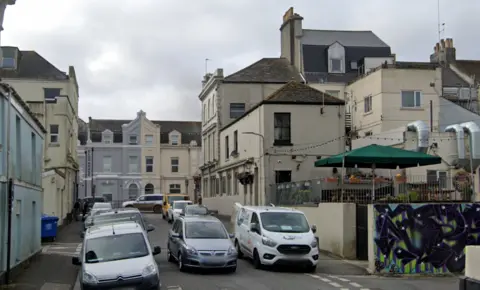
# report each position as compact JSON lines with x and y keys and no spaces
{"x":116,"y":251}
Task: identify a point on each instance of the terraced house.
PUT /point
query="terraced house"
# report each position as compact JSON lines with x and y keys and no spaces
{"x":122,"y":159}
{"x":52,"y":95}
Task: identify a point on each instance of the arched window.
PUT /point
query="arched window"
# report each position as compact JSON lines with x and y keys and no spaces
{"x":132,"y":191}
{"x":149,"y":188}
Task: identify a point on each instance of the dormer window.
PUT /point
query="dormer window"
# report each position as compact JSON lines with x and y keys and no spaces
{"x":174,"y":139}
{"x":336,"y":65}
{"x":336,"y":58}
{"x":8,"y":62}
{"x":132,"y":140}
{"x":107,"y":139}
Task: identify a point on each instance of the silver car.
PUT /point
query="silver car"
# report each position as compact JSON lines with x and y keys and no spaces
{"x":201,"y":242}
{"x":118,"y":256}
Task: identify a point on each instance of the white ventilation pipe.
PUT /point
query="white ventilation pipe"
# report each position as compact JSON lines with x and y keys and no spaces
{"x":460,"y":133}
{"x":474,"y":136}
{"x":423,"y":134}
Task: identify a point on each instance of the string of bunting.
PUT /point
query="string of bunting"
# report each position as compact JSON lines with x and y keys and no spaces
{"x":313,"y":146}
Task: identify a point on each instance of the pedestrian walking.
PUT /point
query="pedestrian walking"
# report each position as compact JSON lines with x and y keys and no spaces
{"x":200,"y":200}
{"x":76,"y":209}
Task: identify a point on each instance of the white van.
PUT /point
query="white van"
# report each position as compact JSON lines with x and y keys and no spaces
{"x":275,"y":236}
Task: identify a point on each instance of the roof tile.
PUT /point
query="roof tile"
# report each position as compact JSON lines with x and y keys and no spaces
{"x":266,"y":70}
{"x":301,"y":93}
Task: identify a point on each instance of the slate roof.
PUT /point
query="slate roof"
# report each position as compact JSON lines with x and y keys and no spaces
{"x":295,"y":92}
{"x":31,"y":65}
{"x":190,"y":130}
{"x":266,"y":70}
{"x":351,"y":38}
{"x":470,"y":67}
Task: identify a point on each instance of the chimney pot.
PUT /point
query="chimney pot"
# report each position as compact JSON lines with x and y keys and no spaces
{"x":442,"y":43}
{"x":438,"y":47}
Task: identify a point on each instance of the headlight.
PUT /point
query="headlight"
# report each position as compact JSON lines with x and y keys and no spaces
{"x":231,"y":251}
{"x":268,"y":242}
{"x":149,"y":270}
{"x":89,"y":278}
{"x":192,"y":251}
{"x":314,"y":243}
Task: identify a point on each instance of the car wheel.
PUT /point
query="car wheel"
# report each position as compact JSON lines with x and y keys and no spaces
{"x":311,"y":269}
{"x":181,"y":267}
{"x":239,"y":251}
{"x":157,"y":209}
{"x":170,"y":257}
{"x":233,"y":269}
{"x":256,"y":260}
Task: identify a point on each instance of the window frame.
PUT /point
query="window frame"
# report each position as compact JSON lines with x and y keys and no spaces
{"x":56,"y":135}
{"x":235,"y":141}
{"x":174,"y":139}
{"x":227,"y":148}
{"x":332,"y":70}
{"x":147,"y":164}
{"x":234,"y":113}
{"x":130,"y":142}
{"x":104,"y":165}
{"x":107,"y":139}
{"x":368,"y":104}
{"x":130,"y":164}
{"x":172,"y":165}
{"x":174,"y":189}
{"x":282,"y":117}
{"x":147,"y":141}
{"x":415,"y":105}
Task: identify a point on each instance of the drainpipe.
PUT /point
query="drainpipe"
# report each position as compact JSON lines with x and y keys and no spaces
{"x":9,"y":191}
{"x":422,"y":135}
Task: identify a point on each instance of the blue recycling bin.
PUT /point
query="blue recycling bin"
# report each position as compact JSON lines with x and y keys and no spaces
{"x":49,"y":227}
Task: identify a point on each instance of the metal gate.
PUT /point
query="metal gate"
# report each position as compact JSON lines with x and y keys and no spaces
{"x":362,"y":232}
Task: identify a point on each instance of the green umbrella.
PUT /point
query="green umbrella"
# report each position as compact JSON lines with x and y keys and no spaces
{"x":378,"y":156}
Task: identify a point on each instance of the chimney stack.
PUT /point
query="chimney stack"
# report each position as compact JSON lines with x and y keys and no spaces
{"x":290,"y":33}
{"x":443,"y":52}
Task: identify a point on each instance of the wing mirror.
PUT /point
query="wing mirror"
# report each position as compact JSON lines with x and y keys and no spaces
{"x":231,"y":236}
{"x":176,"y":236}
{"x":254,"y":228}
{"x":76,"y":261}
{"x":150,"y":228}
{"x":156,"y":250}
{"x":314,"y":228}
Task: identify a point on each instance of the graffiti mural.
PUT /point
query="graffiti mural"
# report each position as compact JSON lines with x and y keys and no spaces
{"x":424,"y":238}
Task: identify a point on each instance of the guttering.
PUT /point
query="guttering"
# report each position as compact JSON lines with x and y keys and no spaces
{"x":423,"y":134}
{"x":460,"y":133}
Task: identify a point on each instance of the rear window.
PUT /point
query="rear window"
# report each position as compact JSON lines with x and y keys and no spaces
{"x":118,"y":218}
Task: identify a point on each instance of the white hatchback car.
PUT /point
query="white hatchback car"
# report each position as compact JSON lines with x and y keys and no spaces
{"x":177,"y":208}
{"x":275,"y":236}
{"x":118,"y":256}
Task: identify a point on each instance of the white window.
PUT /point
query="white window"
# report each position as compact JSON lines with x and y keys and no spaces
{"x":175,"y":188}
{"x":133,"y":164}
{"x":132,"y":140}
{"x":148,"y":139}
{"x":149,"y":163}
{"x":54,"y":133}
{"x":174,"y":163}
{"x":174,"y":139}
{"x":368,"y":133}
{"x":367,"y":104}
{"x":333,"y":93}
{"x":107,"y":139}
{"x":107,"y":164}
{"x":353,"y":65}
{"x":336,"y":64}
{"x":411,"y":99}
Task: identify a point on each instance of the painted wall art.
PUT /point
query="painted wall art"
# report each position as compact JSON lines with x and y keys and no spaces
{"x":424,"y":238}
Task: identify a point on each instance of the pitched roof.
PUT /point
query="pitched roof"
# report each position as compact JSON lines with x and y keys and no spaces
{"x":295,"y":92}
{"x":266,"y":70}
{"x":348,"y":38}
{"x":31,"y":65}
{"x":190,"y":130}
{"x":470,"y":67}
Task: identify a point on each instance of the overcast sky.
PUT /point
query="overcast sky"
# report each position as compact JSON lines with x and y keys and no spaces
{"x":150,"y":54}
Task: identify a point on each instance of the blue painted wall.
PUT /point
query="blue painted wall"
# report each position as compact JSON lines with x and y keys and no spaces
{"x":26,"y":161}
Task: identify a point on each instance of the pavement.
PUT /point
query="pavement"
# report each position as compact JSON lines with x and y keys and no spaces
{"x":53,"y":271}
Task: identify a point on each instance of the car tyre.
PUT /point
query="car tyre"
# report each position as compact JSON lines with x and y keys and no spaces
{"x":257,"y":263}
{"x":232,"y":270}
{"x":157,"y":209}
{"x":239,"y":251}
{"x":311,"y":269}
{"x":181,"y":267}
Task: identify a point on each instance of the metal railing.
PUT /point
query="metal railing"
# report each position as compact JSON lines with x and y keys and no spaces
{"x":410,"y":189}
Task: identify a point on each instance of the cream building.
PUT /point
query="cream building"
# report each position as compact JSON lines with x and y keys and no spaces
{"x":272,"y":143}
{"x":52,"y":95}
{"x":139,"y":156}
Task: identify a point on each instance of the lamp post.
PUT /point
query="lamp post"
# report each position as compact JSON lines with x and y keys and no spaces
{"x":85,"y":174}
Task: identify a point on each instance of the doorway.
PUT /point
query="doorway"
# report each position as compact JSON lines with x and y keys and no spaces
{"x":34,"y":220}
{"x":283,"y":176}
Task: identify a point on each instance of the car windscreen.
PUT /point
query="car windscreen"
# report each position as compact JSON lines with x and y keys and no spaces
{"x":205,"y":230}
{"x":171,"y":199}
{"x":101,"y":206}
{"x":196,"y":210}
{"x":284,"y":222}
{"x":118,"y":217}
{"x":115,"y":247}
{"x":180,"y":205}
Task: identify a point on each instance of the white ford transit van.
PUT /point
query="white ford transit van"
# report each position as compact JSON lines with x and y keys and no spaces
{"x":275,"y":236}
